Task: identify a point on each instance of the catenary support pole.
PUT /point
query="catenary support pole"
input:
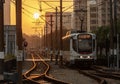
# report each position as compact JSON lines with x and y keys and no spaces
{"x":117,"y":51}
{"x":19,"y":39}
{"x":111,"y":36}
{"x":56,"y":39}
{"x":61,"y":42}
{"x":51,"y":52}
{"x":1,"y":37}
{"x":115,"y":32}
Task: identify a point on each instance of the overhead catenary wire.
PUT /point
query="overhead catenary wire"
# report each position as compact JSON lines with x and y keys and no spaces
{"x":30,"y":6}
{"x":25,"y":10}
{"x":98,"y":4}
{"x":45,"y":1}
{"x":57,"y":0}
{"x":49,"y":5}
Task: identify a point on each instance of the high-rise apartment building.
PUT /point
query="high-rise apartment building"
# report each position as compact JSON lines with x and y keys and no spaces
{"x":103,"y":7}
{"x":92,"y":15}
{"x":99,"y":13}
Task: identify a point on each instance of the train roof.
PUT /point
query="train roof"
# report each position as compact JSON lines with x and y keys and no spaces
{"x":74,"y":33}
{"x":77,"y":32}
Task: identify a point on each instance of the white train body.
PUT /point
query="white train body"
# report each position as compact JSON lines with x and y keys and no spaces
{"x":79,"y":47}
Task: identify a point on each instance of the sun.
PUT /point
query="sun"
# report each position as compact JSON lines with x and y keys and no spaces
{"x":36,"y":15}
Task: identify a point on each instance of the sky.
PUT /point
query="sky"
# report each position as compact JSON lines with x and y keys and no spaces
{"x":29,"y":7}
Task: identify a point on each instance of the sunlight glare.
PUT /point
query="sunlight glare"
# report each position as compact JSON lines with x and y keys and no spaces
{"x":36,"y":15}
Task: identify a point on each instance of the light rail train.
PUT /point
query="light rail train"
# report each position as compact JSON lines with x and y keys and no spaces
{"x":79,"y":47}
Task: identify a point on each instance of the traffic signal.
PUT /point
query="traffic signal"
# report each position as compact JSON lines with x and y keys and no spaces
{"x":25,"y":44}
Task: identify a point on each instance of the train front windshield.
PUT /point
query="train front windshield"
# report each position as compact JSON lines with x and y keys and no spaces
{"x":83,"y":44}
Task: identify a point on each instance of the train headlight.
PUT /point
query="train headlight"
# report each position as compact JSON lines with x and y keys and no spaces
{"x":81,"y":57}
{"x":89,"y":57}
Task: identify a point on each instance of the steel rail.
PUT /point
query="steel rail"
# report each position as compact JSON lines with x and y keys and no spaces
{"x":43,"y":76}
{"x":106,"y":73}
{"x":97,"y":78}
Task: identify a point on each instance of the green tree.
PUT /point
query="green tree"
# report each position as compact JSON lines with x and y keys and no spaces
{"x":102,"y":34}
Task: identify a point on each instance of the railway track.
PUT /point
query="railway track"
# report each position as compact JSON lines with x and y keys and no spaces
{"x":91,"y":75}
{"x":38,"y":74}
{"x":107,"y":74}
{"x":103,"y":77}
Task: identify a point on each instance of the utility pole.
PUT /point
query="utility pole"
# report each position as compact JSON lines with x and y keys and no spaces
{"x":46,"y":36}
{"x":56,"y":39}
{"x":61,"y":42}
{"x":56,"y":29}
{"x":51,"y":16}
{"x":46,"y":40}
{"x":111,"y":36}
{"x":116,"y":36}
{"x":115,"y":17}
{"x":1,"y":37}
{"x":19,"y":39}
